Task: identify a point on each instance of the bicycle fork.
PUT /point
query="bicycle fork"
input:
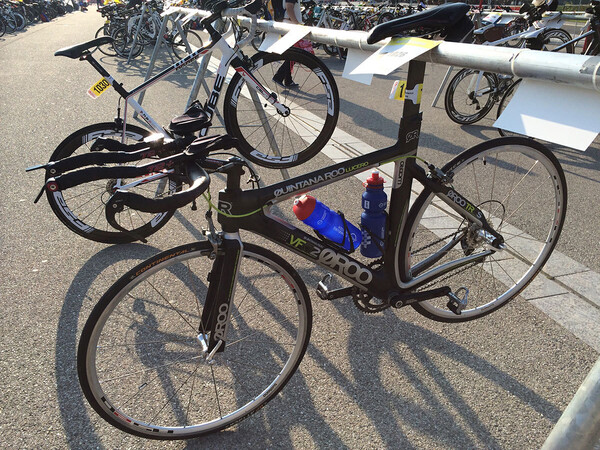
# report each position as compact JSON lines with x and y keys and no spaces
{"x":222,"y":280}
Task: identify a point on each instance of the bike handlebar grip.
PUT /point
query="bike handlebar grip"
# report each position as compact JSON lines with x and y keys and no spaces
{"x":199,"y":182}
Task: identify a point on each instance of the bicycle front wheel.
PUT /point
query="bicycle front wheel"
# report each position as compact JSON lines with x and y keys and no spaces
{"x":140,"y":362}
{"x":178,"y":44}
{"x":470,"y":96}
{"x":276,"y":140}
{"x":82,"y":208}
{"x":520,"y":187}
{"x":123,"y":44}
{"x":107,"y":49}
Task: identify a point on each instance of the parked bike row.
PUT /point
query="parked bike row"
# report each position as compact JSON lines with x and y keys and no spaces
{"x":16,"y":15}
{"x":472,"y":94}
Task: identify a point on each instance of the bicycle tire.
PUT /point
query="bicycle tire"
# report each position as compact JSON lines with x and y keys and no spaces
{"x":555,"y":37}
{"x":462,"y":102}
{"x":81,"y":208}
{"x":504,"y":101}
{"x":505,"y":177}
{"x":385,"y":17}
{"x":314,"y":106}
{"x":21,"y":22}
{"x":123,"y":43}
{"x":178,"y":45}
{"x":2,"y":27}
{"x":161,"y":387}
{"x":106,"y":49}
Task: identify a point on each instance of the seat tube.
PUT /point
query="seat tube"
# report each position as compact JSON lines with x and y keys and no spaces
{"x":410,"y":124}
{"x":408,"y":142}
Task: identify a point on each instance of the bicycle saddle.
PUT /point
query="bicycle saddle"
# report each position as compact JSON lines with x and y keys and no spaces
{"x":192,"y":120}
{"x":444,"y":16}
{"x":75,"y":51}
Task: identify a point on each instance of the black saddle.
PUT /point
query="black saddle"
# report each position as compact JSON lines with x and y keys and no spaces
{"x":452,"y":17}
{"x":75,"y":51}
{"x":192,"y":120}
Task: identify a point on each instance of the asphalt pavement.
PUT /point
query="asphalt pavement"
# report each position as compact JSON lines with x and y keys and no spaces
{"x":388,"y":380}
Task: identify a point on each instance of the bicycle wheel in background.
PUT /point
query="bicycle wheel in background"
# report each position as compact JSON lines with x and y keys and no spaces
{"x":123,"y":42}
{"x":385,"y":17}
{"x":470,"y":96}
{"x":520,"y":187}
{"x":107,"y":49}
{"x":2,"y":27}
{"x":178,"y":44}
{"x":82,"y":208}
{"x":140,"y":362}
{"x":504,"y":101}
{"x":314,"y":108}
{"x":555,"y":37}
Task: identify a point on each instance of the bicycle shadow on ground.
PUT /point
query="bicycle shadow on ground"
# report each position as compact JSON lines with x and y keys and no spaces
{"x":299,"y":411}
{"x":78,"y":427}
{"x":303,"y":412}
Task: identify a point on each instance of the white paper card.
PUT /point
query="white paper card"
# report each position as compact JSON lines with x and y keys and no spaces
{"x":559,"y":113}
{"x":354,"y":58}
{"x":394,"y":54}
{"x":289,"y":39}
{"x":269,"y":40}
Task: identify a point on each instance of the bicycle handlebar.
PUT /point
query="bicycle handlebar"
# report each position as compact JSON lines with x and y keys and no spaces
{"x":199,"y":182}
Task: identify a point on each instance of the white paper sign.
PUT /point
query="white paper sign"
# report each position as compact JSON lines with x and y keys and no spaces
{"x":289,"y":39}
{"x":394,"y":54}
{"x":559,"y":113}
{"x":269,"y":40}
{"x":354,"y":58}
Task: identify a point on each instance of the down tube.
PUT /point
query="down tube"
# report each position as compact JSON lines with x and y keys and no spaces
{"x":316,"y":251}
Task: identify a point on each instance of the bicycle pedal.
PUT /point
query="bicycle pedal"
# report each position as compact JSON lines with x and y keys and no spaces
{"x":325,"y":293}
{"x":322,"y":289}
{"x":457,"y":304}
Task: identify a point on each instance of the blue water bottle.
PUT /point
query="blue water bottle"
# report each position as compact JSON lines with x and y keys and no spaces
{"x":327,"y":222}
{"x":373,"y":218}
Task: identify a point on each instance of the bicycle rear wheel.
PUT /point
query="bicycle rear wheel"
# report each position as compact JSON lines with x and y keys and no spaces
{"x":521,"y":188}
{"x":556,"y":37}
{"x":140,"y":362}
{"x":269,"y":138}
{"x":470,"y":96}
{"x":82,"y":208}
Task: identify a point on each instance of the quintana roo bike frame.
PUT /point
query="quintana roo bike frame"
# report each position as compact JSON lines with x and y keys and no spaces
{"x":230,"y":57}
{"x":249,"y":210}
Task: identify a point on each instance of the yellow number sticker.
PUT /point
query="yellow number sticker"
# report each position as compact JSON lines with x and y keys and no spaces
{"x":399,"y":92}
{"x":98,"y":89}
